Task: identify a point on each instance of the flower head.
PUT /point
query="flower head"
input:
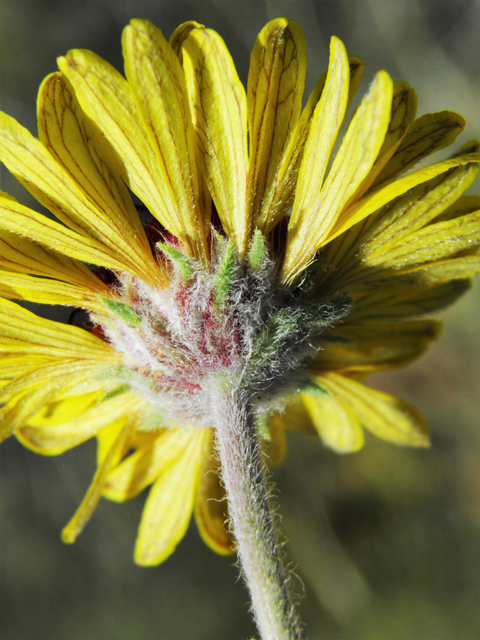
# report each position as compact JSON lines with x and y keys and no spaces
{"x":211,"y":279}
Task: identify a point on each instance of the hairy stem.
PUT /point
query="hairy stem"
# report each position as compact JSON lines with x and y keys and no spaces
{"x":251,"y":517}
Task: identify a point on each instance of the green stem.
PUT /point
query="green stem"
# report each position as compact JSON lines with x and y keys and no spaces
{"x":252,"y":518}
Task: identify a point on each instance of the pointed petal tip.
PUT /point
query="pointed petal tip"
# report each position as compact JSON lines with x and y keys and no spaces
{"x":383,"y":77}
{"x":68,"y":536}
{"x":335,"y":43}
{"x":181,"y":33}
{"x":69,"y":59}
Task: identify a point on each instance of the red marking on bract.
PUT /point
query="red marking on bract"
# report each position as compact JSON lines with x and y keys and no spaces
{"x":182,"y":297}
{"x":107,"y":276}
{"x":87,"y":324}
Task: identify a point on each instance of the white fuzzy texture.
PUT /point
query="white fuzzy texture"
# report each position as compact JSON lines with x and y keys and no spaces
{"x":252,"y":518}
{"x":227,"y":322}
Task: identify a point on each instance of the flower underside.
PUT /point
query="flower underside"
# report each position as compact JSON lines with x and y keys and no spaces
{"x":228,"y":321}
{"x":270,"y":263}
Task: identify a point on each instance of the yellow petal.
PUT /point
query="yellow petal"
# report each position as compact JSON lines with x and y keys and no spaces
{"x":323,"y":131}
{"x":51,"y":372}
{"x":434,"y":242}
{"x":145,"y":465}
{"x":211,"y":510}
{"x":24,"y":256}
{"x":218,"y":107}
{"x":64,"y":406}
{"x":90,"y":501}
{"x":45,"y":291}
{"x":377,"y":199}
{"x":443,"y":271}
{"x":106,"y":438}
{"x":401,"y":304}
{"x":274,"y":99}
{"x":177,"y":39}
{"x":429,"y":133}
{"x":27,"y":394}
{"x":417,"y":280}
{"x":356,"y":71}
{"x":156,"y":77}
{"x":375,"y":345}
{"x":336,"y":423}
{"x":275,"y":448}
{"x":53,"y":187}
{"x":415,"y":210}
{"x":13,"y":365}
{"x":310,"y":227}
{"x":356,"y":68}
{"x":169,"y":506}
{"x":108,"y":100}
{"x":55,"y":439}
{"x":294,"y":418}
{"x":76,"y":144}
{"x":180,"y":34}
{"x":404,"y":108}
{"x":465,"y":204}
{"x":24,"y":331}
{"x":23,"y":221}
{"x":385,"y":416}
{"x":356,"y":253}
{"x":282,"y":197}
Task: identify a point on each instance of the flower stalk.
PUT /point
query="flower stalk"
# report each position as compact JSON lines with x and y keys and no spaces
{"x":252,"y":518}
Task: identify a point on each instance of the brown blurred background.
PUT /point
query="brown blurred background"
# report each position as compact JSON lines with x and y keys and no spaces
{"x":386,"y":541}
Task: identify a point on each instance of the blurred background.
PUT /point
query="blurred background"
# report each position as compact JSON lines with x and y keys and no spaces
{"x":385,"y":541}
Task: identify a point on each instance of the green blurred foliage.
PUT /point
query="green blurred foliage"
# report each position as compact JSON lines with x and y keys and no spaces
{"x":385,"y":541}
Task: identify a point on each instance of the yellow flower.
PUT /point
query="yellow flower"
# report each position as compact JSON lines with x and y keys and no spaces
{"x":214,"y":277}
